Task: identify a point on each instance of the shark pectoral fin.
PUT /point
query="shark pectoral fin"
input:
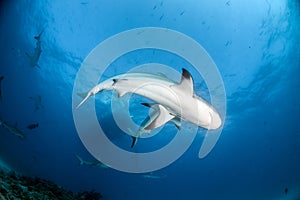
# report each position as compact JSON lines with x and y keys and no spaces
{"x":134,"y":138}
{"x":163,"y":117}
{"x":186,"y":84}
{"x":134,"y":141}
{"x":177,"y":122}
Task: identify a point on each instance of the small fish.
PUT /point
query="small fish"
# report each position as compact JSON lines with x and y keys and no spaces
{"x":161,"y":17}
{"x":33,"y":126}
{"x":1,"y":79}
{"x":182,"y":13}
{"x":286,"y":190}
{"x":228,"y":43}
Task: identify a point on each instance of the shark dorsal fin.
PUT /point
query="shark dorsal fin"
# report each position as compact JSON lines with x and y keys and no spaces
{"x":186,"y":83}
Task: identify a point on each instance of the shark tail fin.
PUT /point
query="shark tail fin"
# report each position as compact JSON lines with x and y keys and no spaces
{"x":81,"y":161}
{"x":84,"y":100}
{"x":82,"y":94}
{"x":38,"y":37}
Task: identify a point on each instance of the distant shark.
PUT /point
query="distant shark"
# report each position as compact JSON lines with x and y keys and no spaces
{"x":174,"y":101}
{"x":151,"y":176}
{"x":12,"y":129}
{"x":34,"y":59}
{"x":37,"y":102}
{"x":90,"y":163}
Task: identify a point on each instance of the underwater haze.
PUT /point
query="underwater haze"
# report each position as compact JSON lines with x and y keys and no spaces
{"x":255,"y":46}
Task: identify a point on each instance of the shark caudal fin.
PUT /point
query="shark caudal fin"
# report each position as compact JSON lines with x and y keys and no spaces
{"x":81,"y":161}
{"x":93,"y":91}
{"x":85,"y":99}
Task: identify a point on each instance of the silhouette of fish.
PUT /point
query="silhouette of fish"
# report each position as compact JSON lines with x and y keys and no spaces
{"x":34,"y":58}
{"x":33,"y":126}
{"x":13,"y":129}
{"x":37,"y":102}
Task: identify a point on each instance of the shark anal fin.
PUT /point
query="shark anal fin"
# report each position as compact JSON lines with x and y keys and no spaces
{"x":163,"y":117}
{"x":186,"y":83}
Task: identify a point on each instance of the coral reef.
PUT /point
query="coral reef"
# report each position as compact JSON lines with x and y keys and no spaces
{"x":16,"y":187}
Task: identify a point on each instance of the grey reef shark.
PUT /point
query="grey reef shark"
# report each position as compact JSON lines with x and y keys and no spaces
{"x":91,"y":163}
{"x":34,"y":58}
{"x":152,"y":176}
{"x":37,"y":102}
{"x":13,"y":129}
{"x":173,"y":101}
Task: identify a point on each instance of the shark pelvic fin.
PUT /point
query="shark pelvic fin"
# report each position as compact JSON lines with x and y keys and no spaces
{"x":81,"y":161}
{"x":186,"y":83}
{"x":163,"y":117}
{"x":150,"y":105}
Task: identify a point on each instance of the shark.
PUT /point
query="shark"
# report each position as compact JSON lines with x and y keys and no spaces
{"x":91,"y":163}
{"x":174,"y":101}
{"x":34,"y":59}
{"x":37,"y":102}
{"x":13,"y":129}
{"x":152,"y":176}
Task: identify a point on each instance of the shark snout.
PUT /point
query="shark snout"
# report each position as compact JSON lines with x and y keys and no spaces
{"x":216,"y":120}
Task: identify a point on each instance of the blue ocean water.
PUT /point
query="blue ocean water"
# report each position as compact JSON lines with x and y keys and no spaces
{"x":255,"y":47}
